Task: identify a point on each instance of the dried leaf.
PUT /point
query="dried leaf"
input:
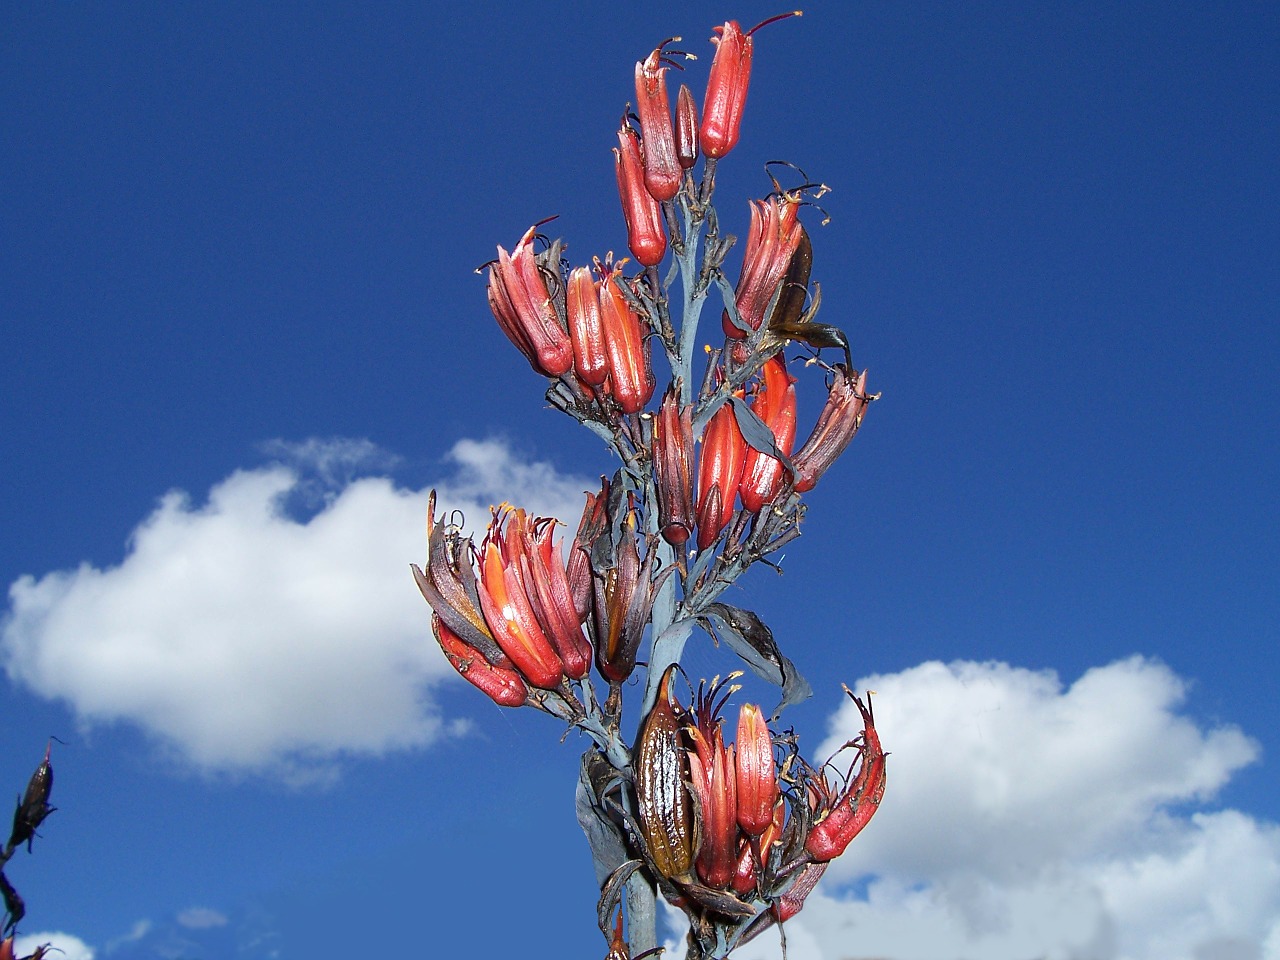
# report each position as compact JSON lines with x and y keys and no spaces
{"x":748,"y":637}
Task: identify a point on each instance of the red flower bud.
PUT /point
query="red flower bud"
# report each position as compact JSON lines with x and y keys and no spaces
{"x":589,"y":358}
{"x":686,"y":128}
{"x":673,"y":467}
{"x":720,"y":464}
{"x":662,"y":171}
{"x":843,"y":818}
{"x":775,"y":404}
{"x":772,"y":240}
{"x":645,"y":235}
{"x":631,"y":379}
{"x":524,"y":309}
{"x":503,"y":684}
{"x":837,"y":425}
{"x":757,"y":777}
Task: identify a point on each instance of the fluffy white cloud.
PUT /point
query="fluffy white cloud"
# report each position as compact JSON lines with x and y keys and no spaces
{"x":66,"y":946}
{"x":1028,"y":820}
{"x":245,"y":637}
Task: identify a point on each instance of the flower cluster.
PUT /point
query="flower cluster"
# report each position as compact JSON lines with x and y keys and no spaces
{"x":733,"y":830}
{"x":724,"y":825}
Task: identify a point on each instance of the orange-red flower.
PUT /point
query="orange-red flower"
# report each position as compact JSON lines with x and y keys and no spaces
{"x":686,"y":128}
{"x":711,"y":767}
{"x":631,"y":381}
{"x":590,"y":360}
{"x":727,"y":85}
{"x":720,"y":466}
{"x":504,"y":597}
{"x":726,"y":90}
{"x":757,"y":778}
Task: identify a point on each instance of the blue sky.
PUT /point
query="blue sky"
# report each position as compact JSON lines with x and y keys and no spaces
{"x":243,"y":336}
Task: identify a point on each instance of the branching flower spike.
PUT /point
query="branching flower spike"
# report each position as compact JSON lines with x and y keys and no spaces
{"x":731,"y":826}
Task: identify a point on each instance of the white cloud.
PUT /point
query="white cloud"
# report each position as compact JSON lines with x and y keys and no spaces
{"x":200,"y":918}
{"x":139,"y":930}
{"x":244,"y":638}
{"x":71,"y":948}
{"x":1027,"y":820}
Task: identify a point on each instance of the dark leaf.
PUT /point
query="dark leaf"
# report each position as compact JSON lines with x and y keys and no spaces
{"x":666,"y":651}
{"x":748,"y":637}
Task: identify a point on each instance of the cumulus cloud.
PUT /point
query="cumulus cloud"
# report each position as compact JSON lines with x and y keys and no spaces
{"x":68,"y":946}
{"x":244,"y":637}
{"x":1027,"y":820}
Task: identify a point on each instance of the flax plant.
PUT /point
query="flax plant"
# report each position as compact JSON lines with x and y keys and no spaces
{"x":734,"y":834}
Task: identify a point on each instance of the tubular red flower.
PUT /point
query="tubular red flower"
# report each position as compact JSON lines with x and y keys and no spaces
{"x":720,"y":464}
{"x":727,"y":86}
{"x":552,"y":599}
{"x":772,"y":240}
{"x":757,"y":779}
{"x":645,"y":235}
{"x":711,"y":766}
{"x":662,"y":171}
{"x":686,"y":128}
{"x":842,"y":819}
{"x":673,"y":467}
{"x":585,"y":332}
{"x":837,"y":425}
{"x":525,"y":310}
{"x":726,"y":90}
{"x":775,"y":404}
{"x":631,"y":381}
{"x":502,"y":684}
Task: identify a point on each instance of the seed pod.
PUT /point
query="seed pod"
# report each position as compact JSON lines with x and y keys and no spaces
{"x":664,"y":807}
{"x":34,"y":805}
{"x":795,"y":286}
